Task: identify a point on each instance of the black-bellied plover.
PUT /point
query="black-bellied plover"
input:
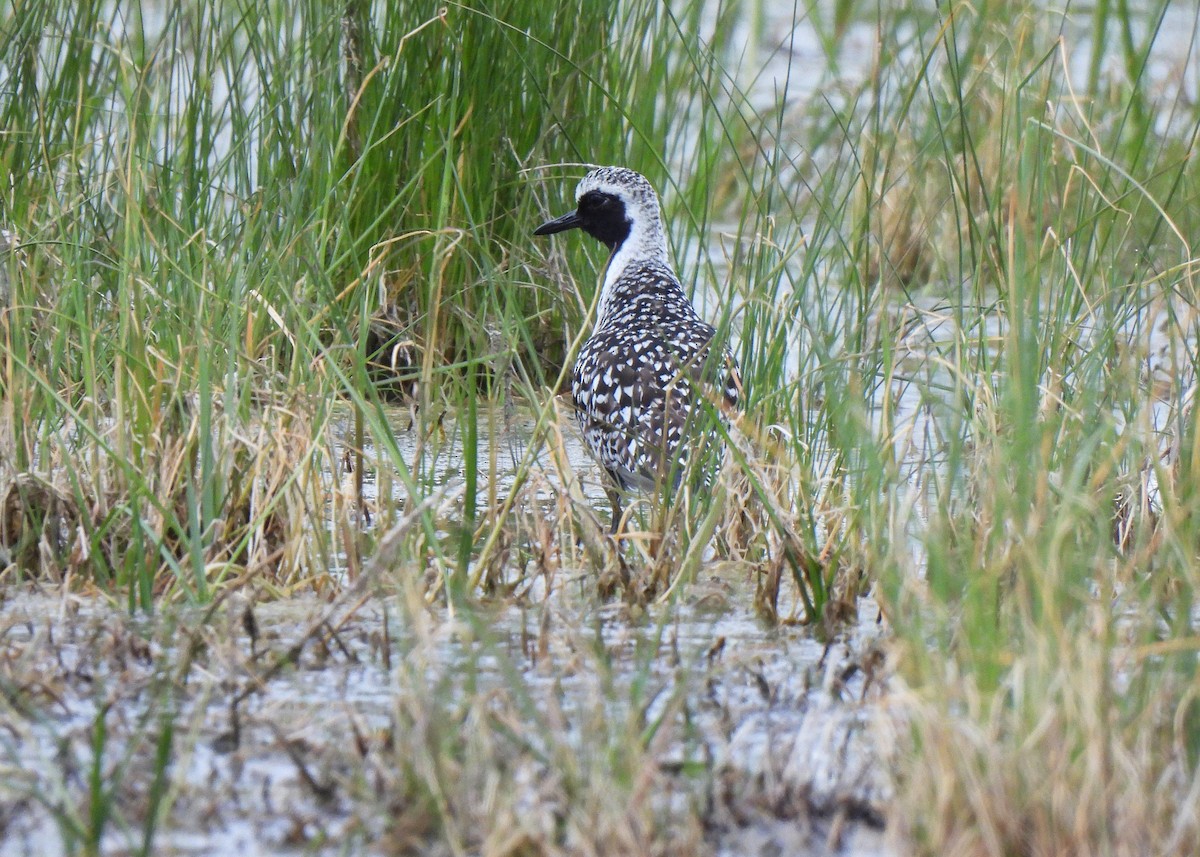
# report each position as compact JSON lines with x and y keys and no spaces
{"x":641,"y":381}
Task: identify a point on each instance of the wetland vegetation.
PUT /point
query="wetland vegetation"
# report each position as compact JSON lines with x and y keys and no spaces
{"x":298,"y":551}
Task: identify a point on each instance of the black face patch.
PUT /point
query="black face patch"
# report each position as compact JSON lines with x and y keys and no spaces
{"x":602,"y":215}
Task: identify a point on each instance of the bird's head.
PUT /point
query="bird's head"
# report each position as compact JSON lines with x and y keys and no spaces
{"x":612,"y":204}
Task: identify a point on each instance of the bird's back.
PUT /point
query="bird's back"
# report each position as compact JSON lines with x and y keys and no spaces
{"x":646,"y":377}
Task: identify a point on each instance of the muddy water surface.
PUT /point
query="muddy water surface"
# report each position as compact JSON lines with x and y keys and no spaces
{"x":771,"y":739}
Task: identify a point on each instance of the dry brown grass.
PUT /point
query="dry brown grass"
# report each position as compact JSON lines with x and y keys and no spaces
{"x":83,"y":506}
{"x":1057,"y":760}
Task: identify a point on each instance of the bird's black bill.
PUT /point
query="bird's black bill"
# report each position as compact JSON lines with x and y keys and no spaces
{"x":560,"y":224}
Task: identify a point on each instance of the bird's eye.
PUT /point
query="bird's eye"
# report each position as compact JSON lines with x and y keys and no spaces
{"x":596,"y":201}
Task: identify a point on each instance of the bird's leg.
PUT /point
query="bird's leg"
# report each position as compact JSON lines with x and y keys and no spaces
{"x":614,"y":497}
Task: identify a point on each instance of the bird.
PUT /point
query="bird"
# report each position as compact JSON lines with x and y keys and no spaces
{"x":650,"y":368}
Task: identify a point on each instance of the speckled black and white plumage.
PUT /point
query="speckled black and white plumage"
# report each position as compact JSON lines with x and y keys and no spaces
{"x":641,"y":379}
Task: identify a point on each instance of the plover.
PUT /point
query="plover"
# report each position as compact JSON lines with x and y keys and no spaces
{"x":642,"y":381}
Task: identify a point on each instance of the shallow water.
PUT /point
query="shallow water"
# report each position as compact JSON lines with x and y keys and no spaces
{"x":782,"y":726}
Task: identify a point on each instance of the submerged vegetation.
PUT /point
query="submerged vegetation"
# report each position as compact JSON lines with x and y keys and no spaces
{"x":272,"y":324}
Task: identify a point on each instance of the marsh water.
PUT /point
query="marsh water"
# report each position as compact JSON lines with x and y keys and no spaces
{"x":281,"y":711}
{"x":789,"y":728}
